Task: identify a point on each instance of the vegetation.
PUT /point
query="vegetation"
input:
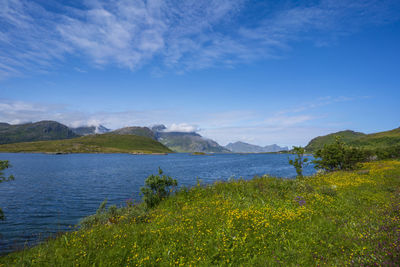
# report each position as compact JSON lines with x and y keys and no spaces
{"x":38,"y":131}
{"x":319,"y":142}
{"x":101,"y":143}
{"x":4,"y":164}
{"x":157,"y":187}
{"x":371,"y":142}
{"x":140,"y":131}
{"x":378,"y":140}
{"x":339,"y":156}
{"x":299,"y":162}
{"x":337,"y":218}
{"x":391,"y":152}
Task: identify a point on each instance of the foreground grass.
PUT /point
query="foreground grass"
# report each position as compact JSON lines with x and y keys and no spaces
{"x":342,"y":218}
{"x":100,"y":143}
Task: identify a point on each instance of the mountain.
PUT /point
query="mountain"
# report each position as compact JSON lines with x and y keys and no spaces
{"x":38,"y":131}
{"x":98,"y":143}
{"x":242,"y":147}
{"x":374,"y":140}
{"x":186,"y":142}
{"x":86,"y":130}
{"x":189,"y":142}
{"x":275,"y":148}
{"x":135,"y":130}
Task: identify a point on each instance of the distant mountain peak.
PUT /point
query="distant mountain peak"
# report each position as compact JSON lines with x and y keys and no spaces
{"x":158,"y":128}
{"x":242,"y":147}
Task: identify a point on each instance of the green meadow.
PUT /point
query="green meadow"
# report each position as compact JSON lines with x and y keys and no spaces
{"x":100,"y":143}
{"x":344,"y":218}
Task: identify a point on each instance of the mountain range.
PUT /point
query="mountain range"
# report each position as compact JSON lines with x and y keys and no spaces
{"x":242,"y":147}
{"x":52,"y":130}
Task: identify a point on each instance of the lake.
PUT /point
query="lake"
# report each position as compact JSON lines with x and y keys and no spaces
{"x":51,"y":193}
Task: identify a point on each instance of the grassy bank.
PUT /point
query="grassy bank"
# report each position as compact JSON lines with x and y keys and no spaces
{"x":102,"y":143}
{"x":341,"y":218}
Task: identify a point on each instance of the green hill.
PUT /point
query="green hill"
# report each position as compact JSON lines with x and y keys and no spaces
{"x":377,"y":140}
{"x":370,"y":141}
{"x":102,"y":143}
{"x":135,"y":130}
{"x":38,"y":131}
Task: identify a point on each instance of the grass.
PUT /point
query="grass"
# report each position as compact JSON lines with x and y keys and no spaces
{"x":102,"y":143}
{"x":335,"y":219}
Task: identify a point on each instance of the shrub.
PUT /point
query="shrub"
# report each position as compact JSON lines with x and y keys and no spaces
{"x":299,"y":162}
{"x":339,"y":156}
{"x":388,"y":152}
{"x":157,"y":187}
{"x":4,"y":164}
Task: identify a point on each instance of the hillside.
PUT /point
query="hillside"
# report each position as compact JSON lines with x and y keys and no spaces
{"x":135,"y":130}
{"x":242,"y":147}
{"x":38,"y":131}
{"x":346,"y":136}
{"x":189,"y":142}
{"x":370,"y":141}
{"x":348,"y":218}
{"x":186,"y":141}
{"x":102,"y":143}
{"x":381,"y":139}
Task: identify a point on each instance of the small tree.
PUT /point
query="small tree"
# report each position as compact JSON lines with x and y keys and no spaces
{"x":338,"y":156}
{"x":4,"y":164}
{"x":300,"y":161}
{"x":157,"y":187}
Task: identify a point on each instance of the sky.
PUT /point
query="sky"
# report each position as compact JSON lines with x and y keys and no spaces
{"x":262,"y":72}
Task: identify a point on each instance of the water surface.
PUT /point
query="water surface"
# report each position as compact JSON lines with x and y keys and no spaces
{"x":50,"y":193}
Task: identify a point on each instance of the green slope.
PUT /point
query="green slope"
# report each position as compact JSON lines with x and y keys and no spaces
{"x":103,"y":143}
{"x":38,"y":131}
{"x":377,"y":140}
{"x":135,"y":130}
{"x":371,"y":141}
{"x":320,"y":141}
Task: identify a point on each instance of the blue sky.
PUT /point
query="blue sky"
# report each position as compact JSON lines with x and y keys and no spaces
{"x":262,"y":72}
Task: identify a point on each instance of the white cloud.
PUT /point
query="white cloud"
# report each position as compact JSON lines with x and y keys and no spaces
{"x":179,"y":35}
{"x":182,"y":127}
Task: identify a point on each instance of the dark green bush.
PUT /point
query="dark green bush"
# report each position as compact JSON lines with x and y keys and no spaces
{"x":339,"y":156}
{"x":157,"y":187}
{"x":388,"y":152}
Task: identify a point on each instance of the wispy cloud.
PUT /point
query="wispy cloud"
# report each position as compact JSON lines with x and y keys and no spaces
{"x":180,"y":35}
